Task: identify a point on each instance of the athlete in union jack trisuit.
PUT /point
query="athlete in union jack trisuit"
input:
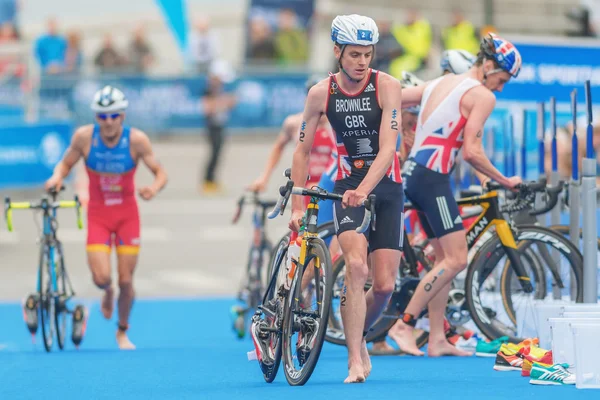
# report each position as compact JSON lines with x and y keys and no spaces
{"x":454,"y":109}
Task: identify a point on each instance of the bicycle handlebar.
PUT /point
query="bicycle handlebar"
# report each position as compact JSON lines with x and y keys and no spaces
{"x":250,"y":197}
{"x":553,"y":193}
{"x":43,"y":204}
{"x":286,"y":191}
{"x":525,"y":196}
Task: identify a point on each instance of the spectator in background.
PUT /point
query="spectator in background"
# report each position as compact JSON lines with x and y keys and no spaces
{"x":388,"y":47}
{"x":9,"y":64}
{"x":216,"y":105}
{"x":261,"y":47}
{"x":415,"y":38}
{"x":291,"y":41}
{"x":8,"y":14}
{"x":140,"y":53}
{"x":461,"y":35}
{"x":74,"y":54}
{"x":202,"y":46}
{"x":50,"y":50}
{"x":108,"y":58}
{"x":7,"y":33}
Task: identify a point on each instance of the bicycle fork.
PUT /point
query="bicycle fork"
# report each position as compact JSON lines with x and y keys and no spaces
{"x":510,"y":247}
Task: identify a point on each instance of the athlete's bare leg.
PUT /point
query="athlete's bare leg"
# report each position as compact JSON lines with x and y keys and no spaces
{"x":334,"y":248}
{"x":126,"y":267}
{"x":99,"y":263}
{"x":438,"y":344}
{"x":384,"y":267}
{"x":353,"y":302}
{"x":453,"y":250}
{"x":398,"y":332}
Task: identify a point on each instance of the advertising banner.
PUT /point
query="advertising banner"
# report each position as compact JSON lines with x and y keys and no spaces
{"x":159,"y":105}
{"x":554,"y":69}
{"x":29,"y":152}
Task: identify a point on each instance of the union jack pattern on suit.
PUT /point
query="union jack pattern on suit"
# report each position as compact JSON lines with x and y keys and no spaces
{"x":439,"y":150}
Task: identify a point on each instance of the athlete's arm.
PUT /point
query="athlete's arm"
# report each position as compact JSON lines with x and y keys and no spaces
{"x":313,"y":109}
{"x":411,"y":96}
{"x":483,"y":179}
{"x":73,"y":153}
{"x":391,"y":121}
{"x":290,"y":127}
{"x":144,"y":151}
{"x":473,"y":152}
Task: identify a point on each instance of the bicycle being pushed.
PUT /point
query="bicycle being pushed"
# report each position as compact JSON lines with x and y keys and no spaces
{"x":292,"y":319}
{"x":49,"y":304}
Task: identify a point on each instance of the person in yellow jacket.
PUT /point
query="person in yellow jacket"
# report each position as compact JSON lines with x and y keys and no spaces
{"x":461,"y":35}
{"x":415,"y":38}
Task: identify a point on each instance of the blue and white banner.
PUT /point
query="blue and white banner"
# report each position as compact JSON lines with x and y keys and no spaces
{"x":270,"y":10}
{"x":29,"y":152}
{"x":551,"y":69}
{"x":161,"y":105}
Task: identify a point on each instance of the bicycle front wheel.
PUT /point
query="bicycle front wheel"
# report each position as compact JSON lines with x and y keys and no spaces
{"x":46,"y":301}
{"x":494,"y":295}
{"x":306,"y":313}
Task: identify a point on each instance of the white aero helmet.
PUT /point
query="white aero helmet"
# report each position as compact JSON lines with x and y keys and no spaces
{"x":109,"y":99}
{"x":410,"y":79}
{"x":354,"y":30}
{"x":457,"y":61}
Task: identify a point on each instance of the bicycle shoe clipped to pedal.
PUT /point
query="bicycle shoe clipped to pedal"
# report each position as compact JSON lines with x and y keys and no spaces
{"x":79,"y":325}
{"x":261,"y":338}
{"x":308,"y":332}
{"x":238,"y":319}
{"x":30,"y":313}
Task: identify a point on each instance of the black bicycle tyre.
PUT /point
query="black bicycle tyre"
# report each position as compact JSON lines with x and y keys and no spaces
{"x":44,"y":301}
{"x":335,"y":334}
{"x":566,"y":230}
{"x":317,"y":246}
{"x":505,"y":282}
{"x":271,"y":370}
{"x":60,"y":311}
{"x":491,"y":252}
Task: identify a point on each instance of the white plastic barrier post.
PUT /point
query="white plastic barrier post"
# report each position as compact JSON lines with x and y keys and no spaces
{"x":590,"y":206}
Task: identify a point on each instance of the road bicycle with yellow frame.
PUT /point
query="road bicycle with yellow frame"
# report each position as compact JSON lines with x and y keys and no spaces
{"x":53,"y":288}
{"x":292,"y":319}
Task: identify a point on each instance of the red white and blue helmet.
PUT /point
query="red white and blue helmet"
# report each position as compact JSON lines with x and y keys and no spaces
{"x":503,"y":52}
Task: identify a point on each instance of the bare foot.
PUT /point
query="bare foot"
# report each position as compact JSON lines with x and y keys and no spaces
{"x":366,"y":359}
{"x":355,"y":374}
{"x":402,"y":334}
{"x":444,"y":348}
{"x":123,"y":341}
{"x":108,"y":303}
{"x":382,"y":348}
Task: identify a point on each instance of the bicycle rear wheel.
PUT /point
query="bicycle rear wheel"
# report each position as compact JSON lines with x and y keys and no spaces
{"x":61,"y":312}
{"x":335,"y":328}
{"x":46,"y":302}
{"x":487,"y":285}
{"x":306,"y":314}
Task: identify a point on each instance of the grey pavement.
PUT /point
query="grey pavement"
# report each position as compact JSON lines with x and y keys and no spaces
{"x":190,"y":248}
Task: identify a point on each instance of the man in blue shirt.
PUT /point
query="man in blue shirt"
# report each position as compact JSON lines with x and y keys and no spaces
{"x":50,"y":49}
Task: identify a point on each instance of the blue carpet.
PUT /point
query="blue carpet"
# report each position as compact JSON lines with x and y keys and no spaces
{"x":186,"y":350}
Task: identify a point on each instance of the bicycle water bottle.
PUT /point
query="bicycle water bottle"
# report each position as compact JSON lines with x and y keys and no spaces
{"x":293,"y":254}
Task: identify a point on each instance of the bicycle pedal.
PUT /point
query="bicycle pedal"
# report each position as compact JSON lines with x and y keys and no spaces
{"x":303,"y":354}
